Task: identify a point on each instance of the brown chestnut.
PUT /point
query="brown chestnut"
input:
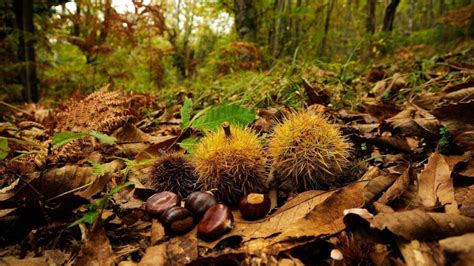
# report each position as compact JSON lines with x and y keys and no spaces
{"x":254,"y":206}
{"x":177,"y":220}
{"x":215,"y":223}
{"x":199,"y":202}
{"x":158,"y":203}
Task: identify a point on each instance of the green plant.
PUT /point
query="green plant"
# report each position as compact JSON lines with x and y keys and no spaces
{"x":94,"y":210}
{"x":444,"y":140}
{"x":62,"y":138}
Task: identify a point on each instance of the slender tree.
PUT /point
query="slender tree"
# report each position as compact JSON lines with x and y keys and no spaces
{"x":370,"y":23}
{"x":245,"y":20}
{"x":23,"y":10}
{"x":389,"y":17}
{"x":326,"y":26}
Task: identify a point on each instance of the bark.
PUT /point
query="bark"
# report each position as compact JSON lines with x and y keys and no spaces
{"x":370,"y":23}
{"x":389,"y":17}
{"x":245,"y":20}
{"x":23,"y":10}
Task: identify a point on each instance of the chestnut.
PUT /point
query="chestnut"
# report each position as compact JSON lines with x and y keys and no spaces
{"x":199,"y":202}
{"x":158,"y":203}
{"x":177,"y":220}
{"x":215,"y":223}
{"x":254,"y":206}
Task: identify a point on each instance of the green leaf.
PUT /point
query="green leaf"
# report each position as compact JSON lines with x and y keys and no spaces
{"x":188,"y":144}
{"x":186,"y":113}
{"x":233,"y":114}
{"x":4,"y":149}
{"x":62,"y":138}
{"x":118,"y":188}
{"x":104,"y":139}
{"x":88,"y":217}
{"x":98,"y":169}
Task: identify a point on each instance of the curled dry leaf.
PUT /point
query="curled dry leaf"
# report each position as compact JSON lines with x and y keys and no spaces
{"x":415,"y":121}
{"x":417,"y":224}
{"x":377,"y":185}
{"x":436,"y":184}
{"x":397,"y":188}
{"x":417,"y":253}
{"x":458,"y":244}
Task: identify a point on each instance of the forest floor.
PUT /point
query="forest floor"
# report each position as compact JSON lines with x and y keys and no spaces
{"x":74,"y":180}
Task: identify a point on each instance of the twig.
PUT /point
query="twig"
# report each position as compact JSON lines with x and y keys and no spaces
{"x":16,"y":109}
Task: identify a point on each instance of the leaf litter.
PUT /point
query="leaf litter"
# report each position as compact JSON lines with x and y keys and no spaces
{"x":412,"y":203}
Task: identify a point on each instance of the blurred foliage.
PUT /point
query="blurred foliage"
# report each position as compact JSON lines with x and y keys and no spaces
{"x":189,"y":49}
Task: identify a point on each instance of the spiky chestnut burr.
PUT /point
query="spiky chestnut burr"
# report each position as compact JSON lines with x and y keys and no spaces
{"x":307,"y":152}
{"x":173,"y":172}
{"x":230,"y":163}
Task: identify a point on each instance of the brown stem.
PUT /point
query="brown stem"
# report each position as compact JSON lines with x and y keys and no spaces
{"x":226,"y":127}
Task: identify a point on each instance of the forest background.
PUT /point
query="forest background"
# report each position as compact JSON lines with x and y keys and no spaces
{"x":219,"y":50}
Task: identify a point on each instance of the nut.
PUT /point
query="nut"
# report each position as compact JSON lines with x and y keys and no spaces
{"x":254,"y":206}
{"x":177,"y":220}
{"x":158,"y":203}
{"x":216,"y":222}
{"x":199,"y":202}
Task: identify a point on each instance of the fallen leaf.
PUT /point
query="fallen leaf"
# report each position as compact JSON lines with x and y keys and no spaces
{"x":421,"y":253}
{"x":417,"y":224}
{"x":458,"y":244}
{"x":154,"y":256}
{"x":97,"y":249}
{"x":397,"y":188}
{"x":436,"y":184}
{"x":377,"y":185}
{"x":308,"y":215}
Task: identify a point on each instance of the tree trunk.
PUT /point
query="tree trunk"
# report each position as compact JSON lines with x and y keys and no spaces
{"x":370,"y":23}
{"x":411,"y":15}
{"x":326,"y":27}
{"x":389,"y":17}
{"x":278,"y":25}
{"x":245,"y":21}
{"x":26,"y":49}
{"x":442,"y":6}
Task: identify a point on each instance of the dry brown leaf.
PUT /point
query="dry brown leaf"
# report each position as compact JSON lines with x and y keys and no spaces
{"x":465,"y":198}
{"x":377,"y":186}
{"x":415,"y":121}
{"x":97,"y":249}
{"x":310,"y":214}
{"x":181,"y":250}
{"x":465,"y":140}
{"x":157,"y":232}
{"x":154,"y":256}
{"x":458,"y":244}
{"x":397,"y":189}
{"x":49,"y":257}
{"x":468,"y":170}
{"x":417,"y":224}
{"x":417,"y":253}
{"x":58,"y":180}
{"x":436,"y":184}
{"x":100,"y":182}
{"x":462,"y":95}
